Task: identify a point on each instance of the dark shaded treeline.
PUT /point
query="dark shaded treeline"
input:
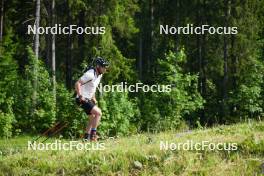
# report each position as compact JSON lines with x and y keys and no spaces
{"x":218,"y":78}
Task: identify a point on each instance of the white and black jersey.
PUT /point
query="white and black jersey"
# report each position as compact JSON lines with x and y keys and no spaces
{"x":90,"y":81}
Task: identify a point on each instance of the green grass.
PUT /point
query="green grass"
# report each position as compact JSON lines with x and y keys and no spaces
{"x":141,"y":155}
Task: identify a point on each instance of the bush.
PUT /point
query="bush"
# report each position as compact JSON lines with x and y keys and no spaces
{"x":42,"y":116}
{"x":8,"y":79}
{"x":118,"y":112}
{"x":6,"y":120}
{"x":248,"y":97}
{"x":68,"y":111}
{"x":166,"y":110}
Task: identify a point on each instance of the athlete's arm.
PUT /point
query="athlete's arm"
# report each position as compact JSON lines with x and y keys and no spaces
{"x":78,"y":87}
{"x":94,"y":99}
{"x":88,"y":76}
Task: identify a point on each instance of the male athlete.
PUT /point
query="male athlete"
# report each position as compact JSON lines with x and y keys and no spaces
{"x":85,"y":88}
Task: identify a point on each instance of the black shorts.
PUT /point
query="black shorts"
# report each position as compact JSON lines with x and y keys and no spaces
{"x":86,"y":105}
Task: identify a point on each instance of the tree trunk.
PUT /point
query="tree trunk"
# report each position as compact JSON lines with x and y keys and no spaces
{"x":48,"y":38}
{"x":177,"y":21}
{"x":81,"y":38}
{"x":233,"y":55}
{"x":53,"y":55}
{"x":225,"y":80}
{"x":200,"y":53}
{"x":1,"y":20}
{"x":199,"y":45}
{"x":69,"y":51}
{"x":36,"y":42}
{"x":150,"y":60}
{"x":233,"y":58}
{"x":36,"y":51}
{"x":140,"y":56}
{"x":203,"y":62}
{"x":234,"y":61}
{"x":48,"y":41}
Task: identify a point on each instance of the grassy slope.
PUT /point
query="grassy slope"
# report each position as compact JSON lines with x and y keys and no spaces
{"x":120,"y":155}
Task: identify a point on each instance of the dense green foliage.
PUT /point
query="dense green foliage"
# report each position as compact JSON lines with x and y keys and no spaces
{"x":118,"y":113}
{"x":8,"y":81}
{"x":166,"y":110}
{"x":214,"y":78}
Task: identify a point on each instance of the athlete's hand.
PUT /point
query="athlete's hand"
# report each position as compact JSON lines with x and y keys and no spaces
{"x":81,"y":99}
{"x":94,"y":101}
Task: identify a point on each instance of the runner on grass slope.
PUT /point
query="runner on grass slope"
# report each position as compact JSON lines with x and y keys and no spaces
{"x":85,"y":88}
